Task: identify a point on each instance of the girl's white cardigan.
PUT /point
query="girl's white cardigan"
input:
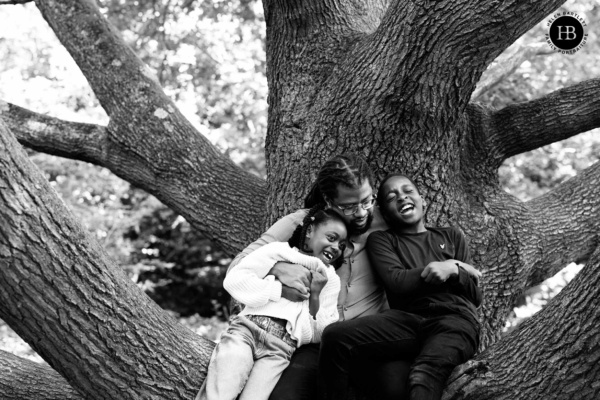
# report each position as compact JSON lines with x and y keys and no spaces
{"x":249,"y":283}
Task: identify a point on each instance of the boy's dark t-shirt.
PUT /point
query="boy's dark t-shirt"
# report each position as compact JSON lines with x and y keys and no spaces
{"x":399,"y":260}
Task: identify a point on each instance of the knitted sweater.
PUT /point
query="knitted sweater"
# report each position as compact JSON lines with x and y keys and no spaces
{"x":263,"y":296}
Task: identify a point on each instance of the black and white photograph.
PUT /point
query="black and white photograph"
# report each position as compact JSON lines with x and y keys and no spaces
{"x":299,"y":200}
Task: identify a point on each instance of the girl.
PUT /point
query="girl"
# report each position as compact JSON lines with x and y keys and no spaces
{"x":258,"y":345}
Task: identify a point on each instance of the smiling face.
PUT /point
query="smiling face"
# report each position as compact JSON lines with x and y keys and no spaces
{"x":360,"y":221}
{"x":327,"y":240}
{"x":402,"y":205}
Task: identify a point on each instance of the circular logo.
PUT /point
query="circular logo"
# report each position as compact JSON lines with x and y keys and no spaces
{"x":566,"y":32}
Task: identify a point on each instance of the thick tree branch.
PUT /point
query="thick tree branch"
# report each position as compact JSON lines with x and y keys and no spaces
{"x":543,"y":359}
{"x":467,"y":35}
{"x":506,"y":64}
{"x":23,"y":379}
{"x":526,"y":126}
{"x":78,"y":141}
{"x":108,"y":64}
{"x":192,"y":186}
{"x":566,"y":220}
{"x":78,"y":310}
{"x":148,"y":141}
{"x":518,"y":245}
{"x":3,"y":2}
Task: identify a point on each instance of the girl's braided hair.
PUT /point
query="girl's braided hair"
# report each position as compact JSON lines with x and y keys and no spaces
{"x":349,"y":170}
{"x":316,"y":216}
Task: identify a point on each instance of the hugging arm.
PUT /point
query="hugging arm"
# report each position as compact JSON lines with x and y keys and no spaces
{"x":247,"y":283}
{"x":295,"y":278}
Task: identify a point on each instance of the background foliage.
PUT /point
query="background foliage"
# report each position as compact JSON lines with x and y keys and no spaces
{"x":209,"y":57}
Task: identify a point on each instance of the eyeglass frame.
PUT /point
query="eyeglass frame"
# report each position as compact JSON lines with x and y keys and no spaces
{"x":354,"y":207}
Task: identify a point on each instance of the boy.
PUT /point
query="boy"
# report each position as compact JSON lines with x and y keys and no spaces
{"x":432,"y":318}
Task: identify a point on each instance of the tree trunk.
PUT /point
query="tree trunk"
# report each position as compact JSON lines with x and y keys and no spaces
{"x":77,"y":309}
{"x":392,"y":82}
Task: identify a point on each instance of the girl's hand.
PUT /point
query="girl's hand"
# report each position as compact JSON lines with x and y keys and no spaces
{"x":319,"y":279}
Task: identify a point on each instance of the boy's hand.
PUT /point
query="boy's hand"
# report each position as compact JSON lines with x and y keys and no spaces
{"x":470,"y":270}
{"x":319,"y":279}
{"x":438,"y":272}
{"x":292,"y":275}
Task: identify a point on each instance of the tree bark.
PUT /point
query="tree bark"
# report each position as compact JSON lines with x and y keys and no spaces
{"x":505,"y":65}
{"x":542,"y":360}
{"x":391,"y":82}
{"x":77,"y":309}
{"x":23,"y":379}
{"x":148,"y":141}
{"x":77,"y":141}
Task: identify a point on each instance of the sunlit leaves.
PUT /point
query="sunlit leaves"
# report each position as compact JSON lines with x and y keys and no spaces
{"x":529,"y":175}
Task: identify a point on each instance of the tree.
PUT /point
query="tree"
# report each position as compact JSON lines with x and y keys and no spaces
{"x":389,"y":80}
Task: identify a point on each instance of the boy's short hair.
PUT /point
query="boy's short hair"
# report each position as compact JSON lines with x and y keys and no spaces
{"x":381,"y":195}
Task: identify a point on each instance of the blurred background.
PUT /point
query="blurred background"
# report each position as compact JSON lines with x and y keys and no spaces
{"x":209,"y":57}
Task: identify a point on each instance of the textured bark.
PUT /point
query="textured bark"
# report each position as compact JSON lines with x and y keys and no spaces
{"x":392,"y":82}
{"x":543,"y":360}
{"x":23,"y":379}
{"x":148,"y":141}
{"x":77,"y":309}
{"x":506,"y":64}
{"x":78,"y":141}
{"x":560,"y":115}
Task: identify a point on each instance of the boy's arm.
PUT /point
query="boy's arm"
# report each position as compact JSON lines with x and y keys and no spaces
{"x":463,"y":254}
{"x":394,"y":275}
{"x":466,"y":282}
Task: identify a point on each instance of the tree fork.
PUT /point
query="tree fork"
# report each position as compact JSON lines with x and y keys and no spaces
{"x":146,"y":133}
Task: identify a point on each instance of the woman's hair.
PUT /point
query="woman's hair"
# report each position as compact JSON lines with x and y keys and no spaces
{"x":316,"y":216}
{"x":381,"y":195}
{"x":347,"y":169}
